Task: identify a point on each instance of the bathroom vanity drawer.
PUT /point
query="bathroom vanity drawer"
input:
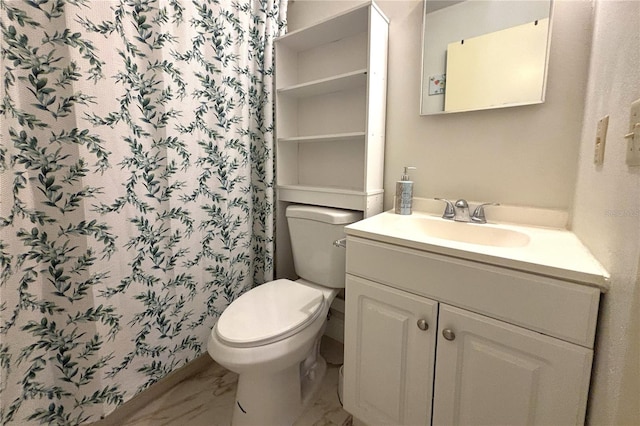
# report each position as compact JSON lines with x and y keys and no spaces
{"x":550,"y":306}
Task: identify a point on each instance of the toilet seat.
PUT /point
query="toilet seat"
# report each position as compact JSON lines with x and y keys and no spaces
{"x":269,"y":313}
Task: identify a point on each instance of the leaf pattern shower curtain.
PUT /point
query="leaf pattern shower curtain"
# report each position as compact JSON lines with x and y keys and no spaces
{"x":136,"y":191}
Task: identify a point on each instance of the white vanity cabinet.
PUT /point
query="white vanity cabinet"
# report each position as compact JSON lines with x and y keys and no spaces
{"x":493,"y":373}
{"x":390,"y":356}
{"x":496,"y":347}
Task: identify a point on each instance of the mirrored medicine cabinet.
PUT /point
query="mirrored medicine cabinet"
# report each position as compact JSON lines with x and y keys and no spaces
{"x":484,"y":54}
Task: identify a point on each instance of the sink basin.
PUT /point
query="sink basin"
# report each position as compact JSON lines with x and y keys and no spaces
{"x":470,"y":233}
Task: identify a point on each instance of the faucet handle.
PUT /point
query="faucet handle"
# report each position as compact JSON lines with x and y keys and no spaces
{"x":449,"y":210}
{"x":478,"y":214}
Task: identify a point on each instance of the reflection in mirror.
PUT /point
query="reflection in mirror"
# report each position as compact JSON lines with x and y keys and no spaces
{"x":482,"y":54}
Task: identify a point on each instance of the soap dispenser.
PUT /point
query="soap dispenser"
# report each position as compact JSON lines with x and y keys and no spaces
{"x":404,"y":193}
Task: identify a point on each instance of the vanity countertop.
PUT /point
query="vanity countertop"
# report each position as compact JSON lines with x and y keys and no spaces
{"x":551,"y":252}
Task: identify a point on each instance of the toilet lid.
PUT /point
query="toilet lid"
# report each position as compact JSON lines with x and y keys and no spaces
{"x":269,"y":313}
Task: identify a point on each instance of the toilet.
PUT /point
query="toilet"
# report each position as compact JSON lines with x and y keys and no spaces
{"x":271,"y":334}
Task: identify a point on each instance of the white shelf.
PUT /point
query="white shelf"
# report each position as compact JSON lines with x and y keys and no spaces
{"x":329,"y":30}
{"x":344,"y":198}
{"x":323,"y":86}
{"x":323,"y":189}
{"x":345,"y":137}
{"x":330,"y":111}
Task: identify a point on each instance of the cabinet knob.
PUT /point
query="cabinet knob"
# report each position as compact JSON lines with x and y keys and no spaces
{"x":448,"y":334}
{"x":422,"y":325}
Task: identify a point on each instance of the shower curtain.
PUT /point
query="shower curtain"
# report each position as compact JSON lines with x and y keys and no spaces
{"x":136,"y":191}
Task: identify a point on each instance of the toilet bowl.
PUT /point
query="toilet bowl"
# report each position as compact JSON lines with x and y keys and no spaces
{"x":277,"y":376}
{"x":271,"y":334}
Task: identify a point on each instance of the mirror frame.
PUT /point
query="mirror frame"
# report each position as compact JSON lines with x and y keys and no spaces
{"x":424,"y":82}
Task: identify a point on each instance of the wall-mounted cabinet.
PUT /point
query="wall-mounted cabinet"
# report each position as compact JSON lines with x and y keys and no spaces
{"x":330,"y":111}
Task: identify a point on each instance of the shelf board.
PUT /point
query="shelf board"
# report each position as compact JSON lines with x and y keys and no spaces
{"x":346,"y":137}
{"x":345,"y":198}
{"x":323,"y":189}
{"x":323,"y":86}
{"x":329,"y":30}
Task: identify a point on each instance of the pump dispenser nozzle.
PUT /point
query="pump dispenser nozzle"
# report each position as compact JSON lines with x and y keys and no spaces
{"x":405,"y":174}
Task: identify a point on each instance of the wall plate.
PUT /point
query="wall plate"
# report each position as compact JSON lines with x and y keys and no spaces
{"x":601,"y":139}
{"x":633,"y":135}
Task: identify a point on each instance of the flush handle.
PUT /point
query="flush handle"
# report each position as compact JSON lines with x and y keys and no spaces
{"x":423,"y":325}
{"x":448,"y":334}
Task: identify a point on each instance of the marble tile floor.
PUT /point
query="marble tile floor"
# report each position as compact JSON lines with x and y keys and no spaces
{"x":207,"y":398}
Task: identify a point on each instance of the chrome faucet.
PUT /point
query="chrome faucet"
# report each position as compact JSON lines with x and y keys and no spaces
{"x":462,"y":211}
{"x":459,"y":211}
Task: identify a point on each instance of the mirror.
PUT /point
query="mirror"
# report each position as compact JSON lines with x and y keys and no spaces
{"x":484,"y":54}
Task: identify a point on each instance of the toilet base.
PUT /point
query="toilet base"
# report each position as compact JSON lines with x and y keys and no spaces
{"x":277,"y":398}
{"x":276,"y":381}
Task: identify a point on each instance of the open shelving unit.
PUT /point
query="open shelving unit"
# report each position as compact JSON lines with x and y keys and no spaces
{"x":330,"y":115}
{"x":330,"y":110}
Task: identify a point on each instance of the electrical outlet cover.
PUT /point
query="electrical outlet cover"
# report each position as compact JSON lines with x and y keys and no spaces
{"x":633,"y":136}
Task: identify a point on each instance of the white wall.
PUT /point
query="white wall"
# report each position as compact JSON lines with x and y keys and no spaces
{"x":606,"y":213}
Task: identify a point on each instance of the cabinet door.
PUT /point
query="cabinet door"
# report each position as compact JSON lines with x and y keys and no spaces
{"x":389,"y":355}
{"x":493,"y":373}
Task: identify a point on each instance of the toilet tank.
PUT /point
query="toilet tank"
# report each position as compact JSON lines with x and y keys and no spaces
{"x":313,"y":230}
